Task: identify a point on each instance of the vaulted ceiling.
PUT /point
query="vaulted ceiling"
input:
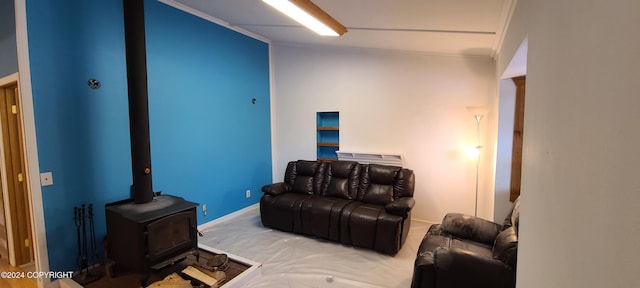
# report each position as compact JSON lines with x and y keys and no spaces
{"x":454,"y":27}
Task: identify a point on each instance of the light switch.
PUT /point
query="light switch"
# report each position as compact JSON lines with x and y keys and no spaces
{"x":46,"y":179}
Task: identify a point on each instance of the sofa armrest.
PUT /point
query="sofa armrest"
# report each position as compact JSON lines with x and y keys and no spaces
{"x":423,"y":271}
{"x":478,"y":271}
{"x":400,"y":206}
{"x":276,"y":188}
{"x":470,"y":227}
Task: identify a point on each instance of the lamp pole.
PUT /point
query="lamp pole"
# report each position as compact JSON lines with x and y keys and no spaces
{"x":478,"y":118}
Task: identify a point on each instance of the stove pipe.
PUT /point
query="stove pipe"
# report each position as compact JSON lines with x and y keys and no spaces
{"x":134,"y":33}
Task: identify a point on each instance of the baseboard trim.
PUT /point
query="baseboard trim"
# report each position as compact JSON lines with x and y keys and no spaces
{"x":228,"y":217}
{"x":424,"y":221}
{"x":63,"y":283}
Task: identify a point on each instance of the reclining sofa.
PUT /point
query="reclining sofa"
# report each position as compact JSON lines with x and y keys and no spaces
{"x":466,"y":251}
{"x":363,"y":205}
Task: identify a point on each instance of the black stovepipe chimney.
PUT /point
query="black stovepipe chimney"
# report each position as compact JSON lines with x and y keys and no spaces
{"x":134,"y":33}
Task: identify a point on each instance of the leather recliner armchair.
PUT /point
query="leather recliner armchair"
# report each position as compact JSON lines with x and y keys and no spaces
{"x":466,"y":251}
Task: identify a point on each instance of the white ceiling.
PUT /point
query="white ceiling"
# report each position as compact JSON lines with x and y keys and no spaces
{"x":457,"y":27}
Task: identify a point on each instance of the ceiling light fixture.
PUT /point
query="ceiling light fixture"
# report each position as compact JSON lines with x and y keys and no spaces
{"x":309,"y":15}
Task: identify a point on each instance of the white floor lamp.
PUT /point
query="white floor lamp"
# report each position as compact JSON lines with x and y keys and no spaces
{"x":474,"y":153}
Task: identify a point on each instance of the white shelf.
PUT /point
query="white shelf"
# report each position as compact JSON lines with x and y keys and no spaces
{"x":371,"y":158}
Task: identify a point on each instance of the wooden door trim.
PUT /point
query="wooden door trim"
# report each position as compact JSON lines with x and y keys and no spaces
{"x":15,"y":174}
{"x":7,"y":81}
{"x":518,"y":133}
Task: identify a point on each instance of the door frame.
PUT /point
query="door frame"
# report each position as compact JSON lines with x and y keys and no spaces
{"x":14,"y":79}
{"x":6,"y":81}
{"x":41,"y":255}
{"x":15,"y":249}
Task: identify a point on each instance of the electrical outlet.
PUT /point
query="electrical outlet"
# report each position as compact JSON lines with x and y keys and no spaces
{"x":248,"y":193}
{"x":46,"y":179}
{"x":204,"y":209}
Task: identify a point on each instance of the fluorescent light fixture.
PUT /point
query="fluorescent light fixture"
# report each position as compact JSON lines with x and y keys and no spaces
{"x":309,"y":15}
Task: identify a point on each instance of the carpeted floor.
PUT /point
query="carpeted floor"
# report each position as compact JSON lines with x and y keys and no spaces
{"x":291,"y":260}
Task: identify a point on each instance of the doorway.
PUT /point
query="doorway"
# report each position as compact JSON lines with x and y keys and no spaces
{"x":508,"y":88}
{"x":15,"y":221}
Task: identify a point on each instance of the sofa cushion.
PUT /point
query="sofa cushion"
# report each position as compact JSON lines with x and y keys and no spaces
{"x":321,"y":216}
{"x":378,"y":194}
{"x":436,"y":238}
{"x":505,"y":248}
{"x":404,"y":184}
{"x":388,"y":224}
{"x":383,"y":175}
{"x":308,"y":168}
{"x":363,"y":221}
{"x":280,"y":211}
{"x":514,"y":215}
{"x":303,"y":185}
{"x":290,"y":173}
{"x":470,"y":227}
{"x":376,"y":184}
{"x":305,"y":172}
{"x":341,"y":179}
{"x":339,"y":188}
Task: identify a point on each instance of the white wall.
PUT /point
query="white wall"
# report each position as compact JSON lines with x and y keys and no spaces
{"x":511,"y":61}
{"x":391,"y":102}
{"x":506,"y":115}
{"x":514,"y":39}
{"x":517,"y":66}
{"x":580,"y":225}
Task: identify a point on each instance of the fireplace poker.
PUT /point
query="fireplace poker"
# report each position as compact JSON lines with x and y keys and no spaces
{"x":85,"y":264}
{"x":92,"y":230}
{"x":81,"y":214}
{"x":77,"y":219}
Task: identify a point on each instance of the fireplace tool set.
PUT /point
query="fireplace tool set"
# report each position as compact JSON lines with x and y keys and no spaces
{"x":85,"y":247}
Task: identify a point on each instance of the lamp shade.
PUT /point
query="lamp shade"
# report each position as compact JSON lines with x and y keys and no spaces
{"x":473,"y":152}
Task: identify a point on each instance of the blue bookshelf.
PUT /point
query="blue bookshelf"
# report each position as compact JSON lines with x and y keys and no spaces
{"x":328,"y":135}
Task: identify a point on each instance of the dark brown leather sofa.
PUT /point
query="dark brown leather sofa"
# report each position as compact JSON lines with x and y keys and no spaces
{"x":364,"y":205}
{"x":465,"y":251}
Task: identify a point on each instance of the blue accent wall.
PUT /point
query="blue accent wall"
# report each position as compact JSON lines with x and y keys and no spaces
{"x":209,"y":143}
{"x":8,"y":50}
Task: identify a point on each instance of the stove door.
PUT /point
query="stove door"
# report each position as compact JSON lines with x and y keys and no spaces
{"x":171,"y":236}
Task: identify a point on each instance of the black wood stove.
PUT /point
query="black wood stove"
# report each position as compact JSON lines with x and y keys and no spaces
{"x":149,"y":236}
{"x":147,"y":231}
